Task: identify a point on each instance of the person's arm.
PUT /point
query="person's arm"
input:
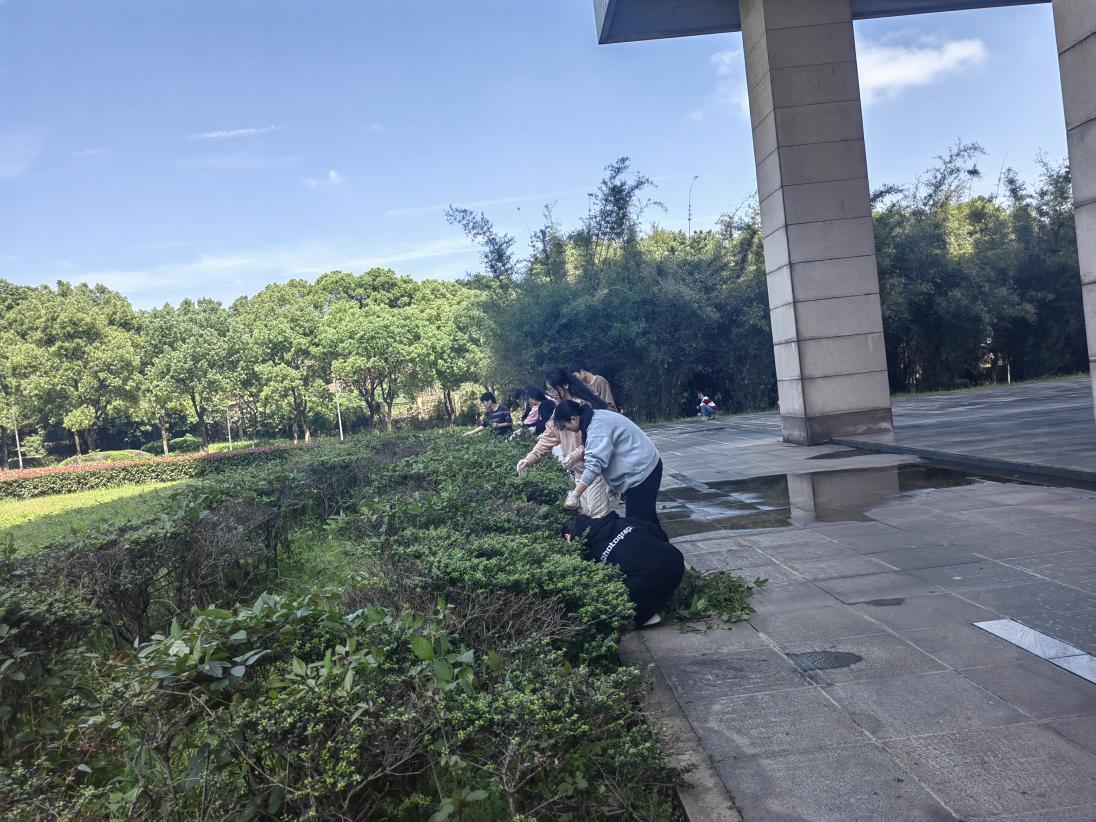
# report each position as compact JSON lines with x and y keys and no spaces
{"x":599,"y":450}
{"x":543,"y":446}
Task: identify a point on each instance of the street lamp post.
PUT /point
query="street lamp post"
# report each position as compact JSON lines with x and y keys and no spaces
{"x":690,"y":220}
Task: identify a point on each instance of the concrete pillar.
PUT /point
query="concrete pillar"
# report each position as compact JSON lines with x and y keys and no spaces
{"x":812,"y":181}
{"x":1075,"y":30}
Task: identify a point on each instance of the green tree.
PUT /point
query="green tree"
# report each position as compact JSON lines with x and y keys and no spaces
{"x":195,"y":359}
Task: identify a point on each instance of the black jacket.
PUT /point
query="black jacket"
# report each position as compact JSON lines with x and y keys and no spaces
{"x":634,"y":545}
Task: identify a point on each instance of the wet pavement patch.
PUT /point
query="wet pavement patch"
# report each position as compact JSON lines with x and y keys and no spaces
{"x":884,"y":603}
{"x":808,"y":661}
{"x":780,"y":500}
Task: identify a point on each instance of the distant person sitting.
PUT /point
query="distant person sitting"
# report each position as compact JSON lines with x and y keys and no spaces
{"x":496,"y":417}
{"x":652,"y":567}
{"x":595,"y":382}
{"x":707,"y":409}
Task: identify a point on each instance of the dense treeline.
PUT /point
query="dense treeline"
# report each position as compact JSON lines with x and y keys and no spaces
{"x":81,"y":361}
{"x":975,"y":289}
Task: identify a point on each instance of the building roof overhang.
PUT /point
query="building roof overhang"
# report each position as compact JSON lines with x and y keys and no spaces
{"x":622,"y":21}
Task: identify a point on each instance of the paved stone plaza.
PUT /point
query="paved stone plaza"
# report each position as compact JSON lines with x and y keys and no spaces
{"x":862,"y":689}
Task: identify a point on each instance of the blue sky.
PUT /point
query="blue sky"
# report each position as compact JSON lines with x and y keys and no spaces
{"x":207,"y":147}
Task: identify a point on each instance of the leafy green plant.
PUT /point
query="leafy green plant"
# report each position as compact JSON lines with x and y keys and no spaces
{"x":719,"y":596}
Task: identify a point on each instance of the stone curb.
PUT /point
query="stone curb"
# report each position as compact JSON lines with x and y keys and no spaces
{"x":986,"y":464}
{"x":704,"y":797}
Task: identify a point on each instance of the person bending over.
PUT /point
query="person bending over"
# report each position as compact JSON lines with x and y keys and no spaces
{"x":652,"y":567}
{"x":496,"y":417}
{"x":615,"y":448}
{"x":598,"y":499}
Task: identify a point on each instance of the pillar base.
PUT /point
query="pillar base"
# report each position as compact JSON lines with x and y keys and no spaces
{"x":822,"y":429}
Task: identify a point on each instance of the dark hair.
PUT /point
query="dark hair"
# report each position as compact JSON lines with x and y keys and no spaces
{"x":577,"y":526}
{"x":519,"y":394}
{"x":578,"y":364}
{"x":535,"y":393}
{"x":568,"y":409}
{"x":487,"y":396}
{"x":557,"y":377}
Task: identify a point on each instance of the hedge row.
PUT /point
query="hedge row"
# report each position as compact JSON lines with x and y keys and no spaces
{"x":468,"y":671}
{"x":40,"y":482}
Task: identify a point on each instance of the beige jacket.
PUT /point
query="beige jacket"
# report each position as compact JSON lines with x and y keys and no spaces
{"x":600,"y":386}
{"x":569,"y":442}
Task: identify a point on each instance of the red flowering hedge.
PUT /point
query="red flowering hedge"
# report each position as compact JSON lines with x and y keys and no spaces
{"x":40,"y":482}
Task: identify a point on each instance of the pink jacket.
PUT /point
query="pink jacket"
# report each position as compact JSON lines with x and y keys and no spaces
{"x":569,"y":441}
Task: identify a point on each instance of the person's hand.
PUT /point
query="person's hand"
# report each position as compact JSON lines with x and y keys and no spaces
{"x":571,"y":501}
{"x":522,"y":465}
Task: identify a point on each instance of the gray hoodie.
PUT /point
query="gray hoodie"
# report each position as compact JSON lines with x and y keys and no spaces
{"x":617,"y":449}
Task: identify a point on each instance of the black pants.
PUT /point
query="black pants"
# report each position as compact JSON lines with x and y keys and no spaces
{"x":640,"y":500}
{"x":651,"y":592}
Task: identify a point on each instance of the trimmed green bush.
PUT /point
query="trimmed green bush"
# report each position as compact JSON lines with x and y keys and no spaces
{"x":102,"y":457}
{"x":37,"y":482}
{"x":468,"y":672}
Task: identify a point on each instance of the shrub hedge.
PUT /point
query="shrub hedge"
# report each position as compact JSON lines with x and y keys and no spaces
{"x":469,"y":672}
{"x":66,"y":479}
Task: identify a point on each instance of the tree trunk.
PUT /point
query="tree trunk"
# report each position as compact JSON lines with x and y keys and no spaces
{"x":293,"y":428}
{"x":76,"y":440}
{"x":388,"y":424}
{"x":204,"y":429}
{"x":91,"y":439}
{"x":3,"y":448}
{"x":450,"y":411}
{"x":163,"y":434}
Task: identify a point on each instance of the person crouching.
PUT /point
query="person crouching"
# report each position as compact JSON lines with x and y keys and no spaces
{"x":652,"y":567}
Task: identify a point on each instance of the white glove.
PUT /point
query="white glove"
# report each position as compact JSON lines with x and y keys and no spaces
{"x":571,"y":501}
{"x":522,"y":465}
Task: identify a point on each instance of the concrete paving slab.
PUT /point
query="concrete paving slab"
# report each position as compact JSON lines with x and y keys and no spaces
{"x":991,"y":771}
{"x":1038,"y":688}
{"x":666,"y":640}
{"x":756,"y":724}
{"x":940,"y":702}
{"x":864,"y":657}
{"x":814,"y":549}
{"x":887,"y":585}
{"x":902,"y":614}
{"x":834,"y":567}
{"x":1041,"y":598}
{"x":963,"y":646}
{"x":787,"y":628}
{"x":702,"y":678}
{"x":982,"y":574}
{"x":1077,"y":813}
{"x":794,"y":597}
{"x":1075,"y":627}
{"x":858,"y":783}
{"x":911,"y":559}
{"x":1080,"y":730}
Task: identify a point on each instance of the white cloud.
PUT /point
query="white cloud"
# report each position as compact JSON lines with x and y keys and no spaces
{"x":332,"y":178}
{"x":229,"y":134}
{"x":19,"y":151}
{"x":228,"y":274}
{"x":887,"y":70}
{"x":730,"y":87}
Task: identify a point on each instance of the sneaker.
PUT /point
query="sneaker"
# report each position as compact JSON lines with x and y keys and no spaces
{"x":657,"y":618}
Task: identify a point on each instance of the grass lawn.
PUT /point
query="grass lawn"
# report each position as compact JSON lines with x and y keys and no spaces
{"x":33,"y":523}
